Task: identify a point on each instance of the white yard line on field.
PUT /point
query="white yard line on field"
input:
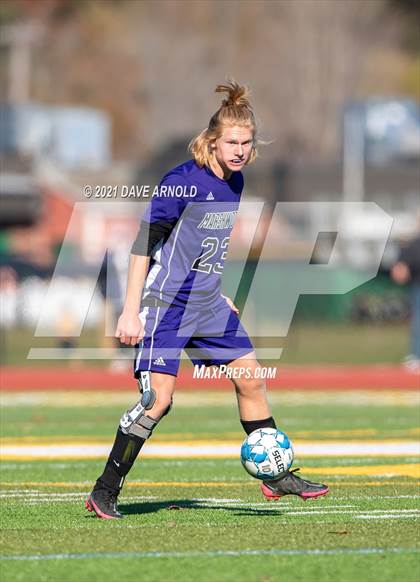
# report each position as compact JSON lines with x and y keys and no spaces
{"x":411,"y":512}
{"x":283,"y":509}
{"x":376,"y":497}
{"x":214,"y":554}
{"x":38,"y":495}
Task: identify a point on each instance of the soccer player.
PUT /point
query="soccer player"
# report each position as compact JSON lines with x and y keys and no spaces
{"x":173,"y":299}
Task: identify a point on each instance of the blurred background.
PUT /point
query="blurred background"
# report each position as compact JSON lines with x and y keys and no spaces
{"x":109,"y":92}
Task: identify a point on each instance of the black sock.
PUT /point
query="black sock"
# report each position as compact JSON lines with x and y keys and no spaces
{"x":120,"y":460}
{"x":251,"y":425}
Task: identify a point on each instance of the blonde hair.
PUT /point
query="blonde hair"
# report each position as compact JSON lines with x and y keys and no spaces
{"x":235,"y":110}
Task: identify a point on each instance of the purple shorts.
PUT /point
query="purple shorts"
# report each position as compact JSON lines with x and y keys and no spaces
{"x":210,"y":337}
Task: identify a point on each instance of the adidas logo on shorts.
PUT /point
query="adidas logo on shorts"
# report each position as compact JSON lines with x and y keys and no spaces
{"x":210,"y":196}
{"x":159,"y":362}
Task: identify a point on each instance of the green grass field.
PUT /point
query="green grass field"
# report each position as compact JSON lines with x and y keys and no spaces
{"x":306,"y":343}
{"x":219,"y":527}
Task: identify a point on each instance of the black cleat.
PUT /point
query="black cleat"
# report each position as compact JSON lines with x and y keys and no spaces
{"x":103,"y":502}
{"x":291,"y":484}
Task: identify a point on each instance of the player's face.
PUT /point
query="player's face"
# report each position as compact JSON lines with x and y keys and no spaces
{"x":233,"y":148}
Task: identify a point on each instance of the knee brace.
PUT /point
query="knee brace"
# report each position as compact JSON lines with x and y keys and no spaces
{"x":135,"y":421}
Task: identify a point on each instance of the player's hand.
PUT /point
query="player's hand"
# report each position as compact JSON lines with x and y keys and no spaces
{"x":231,"y":304}
{"x":130,"y":329}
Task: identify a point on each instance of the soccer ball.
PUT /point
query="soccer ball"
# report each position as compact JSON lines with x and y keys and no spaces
{"x":266,"y":453}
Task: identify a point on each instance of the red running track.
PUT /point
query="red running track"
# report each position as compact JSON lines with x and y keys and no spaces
{"x":376,"y":377}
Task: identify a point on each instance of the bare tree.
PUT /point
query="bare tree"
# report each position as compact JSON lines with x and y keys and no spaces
{"x":153,"y":65}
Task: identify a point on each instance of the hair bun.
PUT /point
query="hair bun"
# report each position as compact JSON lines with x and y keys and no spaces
{"x":235,"y":110}
{"x":238,"y":95}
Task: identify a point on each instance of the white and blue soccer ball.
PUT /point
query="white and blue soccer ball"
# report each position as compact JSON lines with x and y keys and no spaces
{"x":266,"y":453}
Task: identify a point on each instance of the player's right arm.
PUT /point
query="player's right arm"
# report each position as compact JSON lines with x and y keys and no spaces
{"x":129,"y":327}
{"x":157,"y":224}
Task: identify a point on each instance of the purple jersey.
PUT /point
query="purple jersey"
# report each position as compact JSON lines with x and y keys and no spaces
{"x":202,"y":209}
